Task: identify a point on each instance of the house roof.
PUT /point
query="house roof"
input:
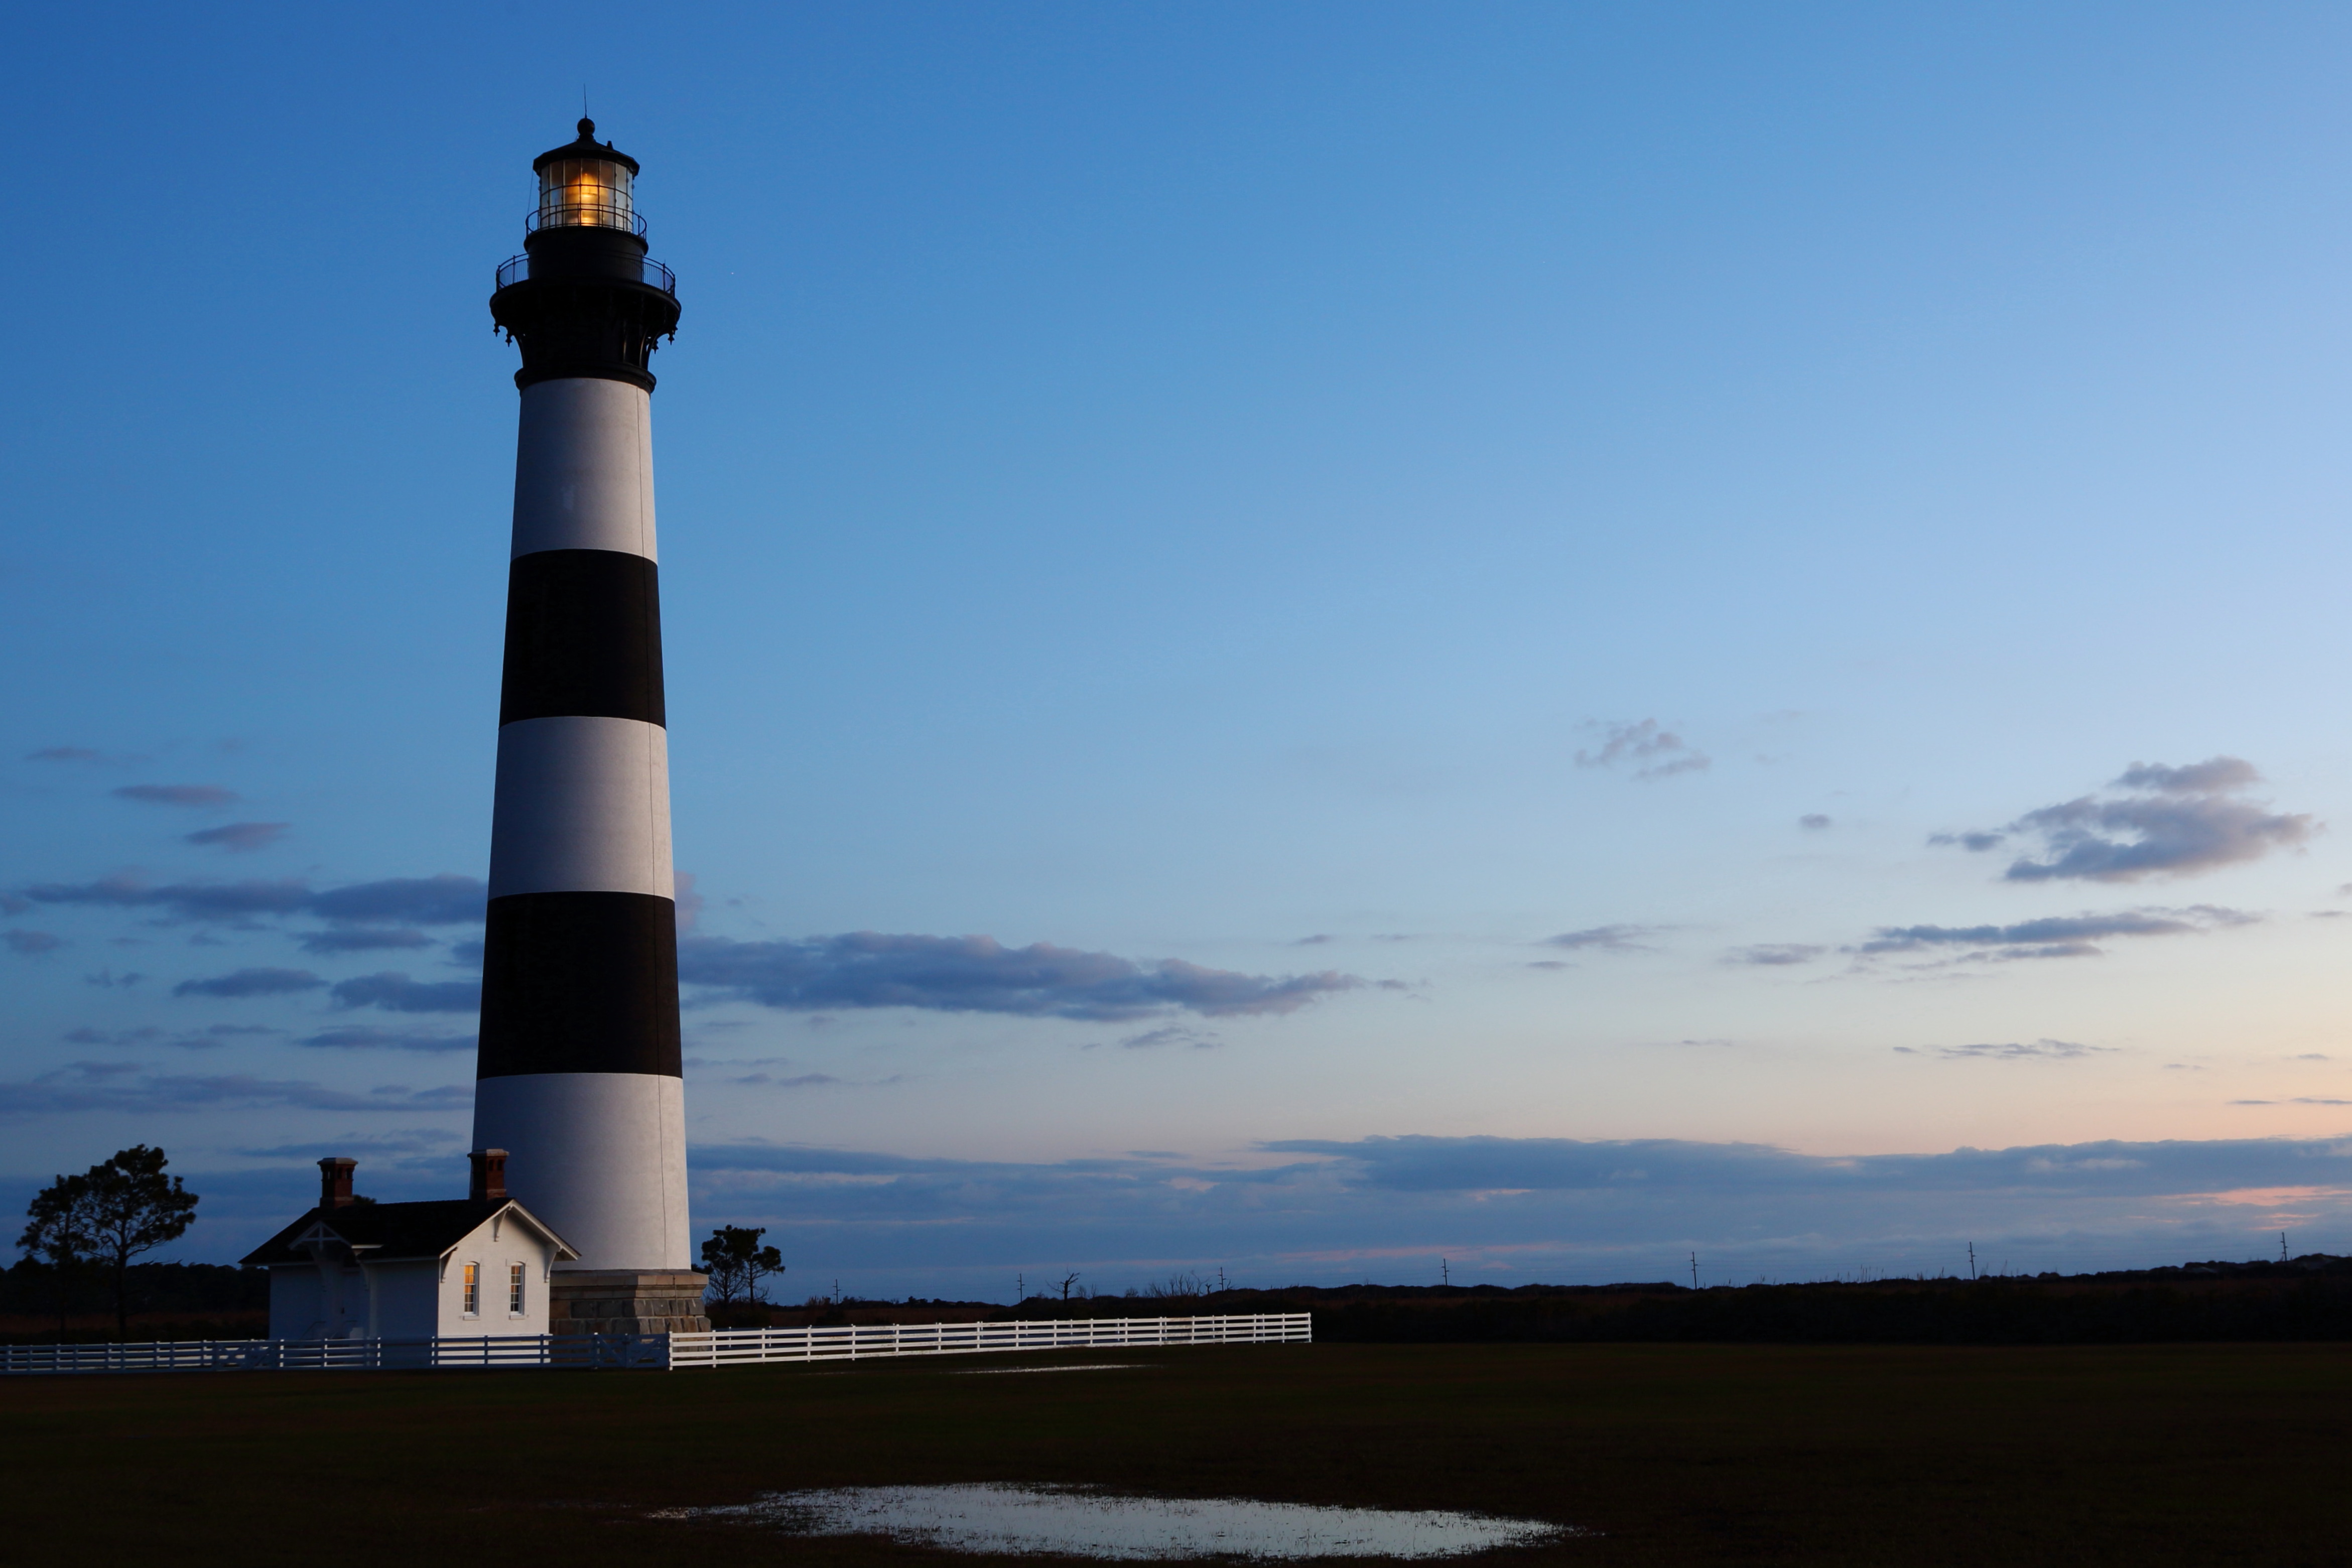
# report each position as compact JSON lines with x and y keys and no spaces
{"x":385,"y":1233}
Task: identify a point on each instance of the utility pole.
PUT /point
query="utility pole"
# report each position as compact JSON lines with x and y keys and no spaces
{"x":1445,"y":1274}
{"x":1694,"y":1270}
{"x":1972,"y":1260}
{"x":2282,"y":1246}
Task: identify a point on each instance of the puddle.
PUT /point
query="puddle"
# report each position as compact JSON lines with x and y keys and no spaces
{"x":1088,"y":1366}
{"x":1079,"y":1521}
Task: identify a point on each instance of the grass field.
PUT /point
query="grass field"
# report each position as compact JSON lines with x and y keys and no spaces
{"x":2205,"y":1453}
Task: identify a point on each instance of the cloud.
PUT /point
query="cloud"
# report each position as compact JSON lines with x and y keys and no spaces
{"x":2034,"y":1051}
{"x":411,"y":900}
{"x":2074,"y":936}
{"x":64,"y":754}
{"x":178,"y":794}
{"x":1612,"y":939}
{"x":32,"y":942}
{"x":398,"y":994}
{"x":363,"y":938}
{"x":1516,"y":1210}
{"x":360,"y":1037}
{"x":2298,"y":1099}
{"x":1173,"y":1035}
{"x":2171,"y":822}
{"x":1774,"y":954}
{"x":242,"y":836}
{"x":980,"y":974}
{"x":204,"y":1039}
{"x":1656,"y":753}
{"x":419,"y":901}
{"x":1975,"y":843}
{"x":120,"y":1088}
{"x":251,"y":983}
{"x":1813,"y":822}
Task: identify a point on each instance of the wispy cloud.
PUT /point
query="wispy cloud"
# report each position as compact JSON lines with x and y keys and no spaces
{"x":1651,"y":752}
{"x":396,"y":993}
{"x":2155,"y":821}
{"x":114,"y":1087}
{"x":32,"y":942}
{"x":1608,"y":939}
{"x":65,"y":754}
{"x":400,"y":900}
{"x":251,"y":983}
{"x":1813,"y":822}
{"x":206,"y":1039}
{"x":359,"y":1038}
{"x":980,"y":974}
{"x":178,"y":794}
{"x":1774,"y":954}
{"x":1174,"y":1034}
{"x":2027,"y":1051}
{"x":241,"y":836}
{"x":363,"y":938}
{"x":2069,"y":936}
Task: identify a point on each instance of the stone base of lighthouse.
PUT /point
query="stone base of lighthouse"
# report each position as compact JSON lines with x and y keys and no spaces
{"x":626,"y":1301}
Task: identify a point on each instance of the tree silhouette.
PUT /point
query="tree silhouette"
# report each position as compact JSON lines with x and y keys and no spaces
{"x":57,"y":1231}
{"x":133,"y":1207}
{"x":736,"y":1262}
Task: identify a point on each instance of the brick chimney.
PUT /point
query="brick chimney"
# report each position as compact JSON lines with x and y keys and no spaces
{"x":489,"y":1183}
{"x":335,"y":1183}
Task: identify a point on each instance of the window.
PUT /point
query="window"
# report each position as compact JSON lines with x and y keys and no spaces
{"x":514,"y":1289}
{"x":473,"y":1289}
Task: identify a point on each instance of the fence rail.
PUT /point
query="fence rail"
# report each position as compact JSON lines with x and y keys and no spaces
{"x":736,"y":1347}
{"x":725,"y":1347}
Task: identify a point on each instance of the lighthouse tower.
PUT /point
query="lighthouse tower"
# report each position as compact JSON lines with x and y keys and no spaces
{"x":579,"y":1072}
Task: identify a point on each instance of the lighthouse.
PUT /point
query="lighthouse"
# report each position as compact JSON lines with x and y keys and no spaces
{"x":578,"y":1076}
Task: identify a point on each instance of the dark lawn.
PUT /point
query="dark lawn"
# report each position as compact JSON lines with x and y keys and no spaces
{"x":2204,"y":1454}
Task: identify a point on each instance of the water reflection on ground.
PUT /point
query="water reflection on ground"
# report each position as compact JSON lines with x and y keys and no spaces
{"x":1078,"y":1521}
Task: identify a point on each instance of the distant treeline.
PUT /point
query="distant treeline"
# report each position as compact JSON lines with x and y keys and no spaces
{"x":30,"y":1289}
{"x":2307,"y":1299}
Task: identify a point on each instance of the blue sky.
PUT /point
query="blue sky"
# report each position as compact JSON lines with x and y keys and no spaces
{"x":1300,"y":638}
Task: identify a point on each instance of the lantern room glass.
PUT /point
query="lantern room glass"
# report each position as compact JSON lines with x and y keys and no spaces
{"x":585,"y":193}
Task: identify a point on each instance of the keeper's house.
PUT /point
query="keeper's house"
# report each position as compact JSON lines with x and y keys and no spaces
{"x":353,"y":1268}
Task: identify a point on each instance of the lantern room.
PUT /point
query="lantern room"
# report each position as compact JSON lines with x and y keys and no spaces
{"x":586,"y":185}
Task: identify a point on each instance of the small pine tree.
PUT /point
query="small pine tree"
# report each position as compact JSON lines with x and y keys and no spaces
{"x":57,"y":1231}
{"x":736,"y":1263}
{"x":133,"y":1207}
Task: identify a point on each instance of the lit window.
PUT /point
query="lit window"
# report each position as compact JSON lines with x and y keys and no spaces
{"x":514,"y":1289}
{"x":473,"y":1289}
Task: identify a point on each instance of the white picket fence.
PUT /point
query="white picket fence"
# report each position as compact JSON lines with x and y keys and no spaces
{"x":725,"y":1347}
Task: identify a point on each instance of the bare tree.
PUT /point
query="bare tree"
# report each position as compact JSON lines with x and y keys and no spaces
{"x":133,"y":1208}
{"x":1067,"y":1280}
{"x":58,"y":1232}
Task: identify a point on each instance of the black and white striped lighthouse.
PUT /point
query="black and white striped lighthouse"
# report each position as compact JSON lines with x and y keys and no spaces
{"x":579,"y":1073}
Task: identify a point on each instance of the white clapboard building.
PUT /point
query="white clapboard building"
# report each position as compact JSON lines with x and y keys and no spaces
{"x":353,"y":1268}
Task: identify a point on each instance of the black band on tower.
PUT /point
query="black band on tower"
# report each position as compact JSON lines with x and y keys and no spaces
{"x":579,"y":983}
{"x":583,"y":637}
